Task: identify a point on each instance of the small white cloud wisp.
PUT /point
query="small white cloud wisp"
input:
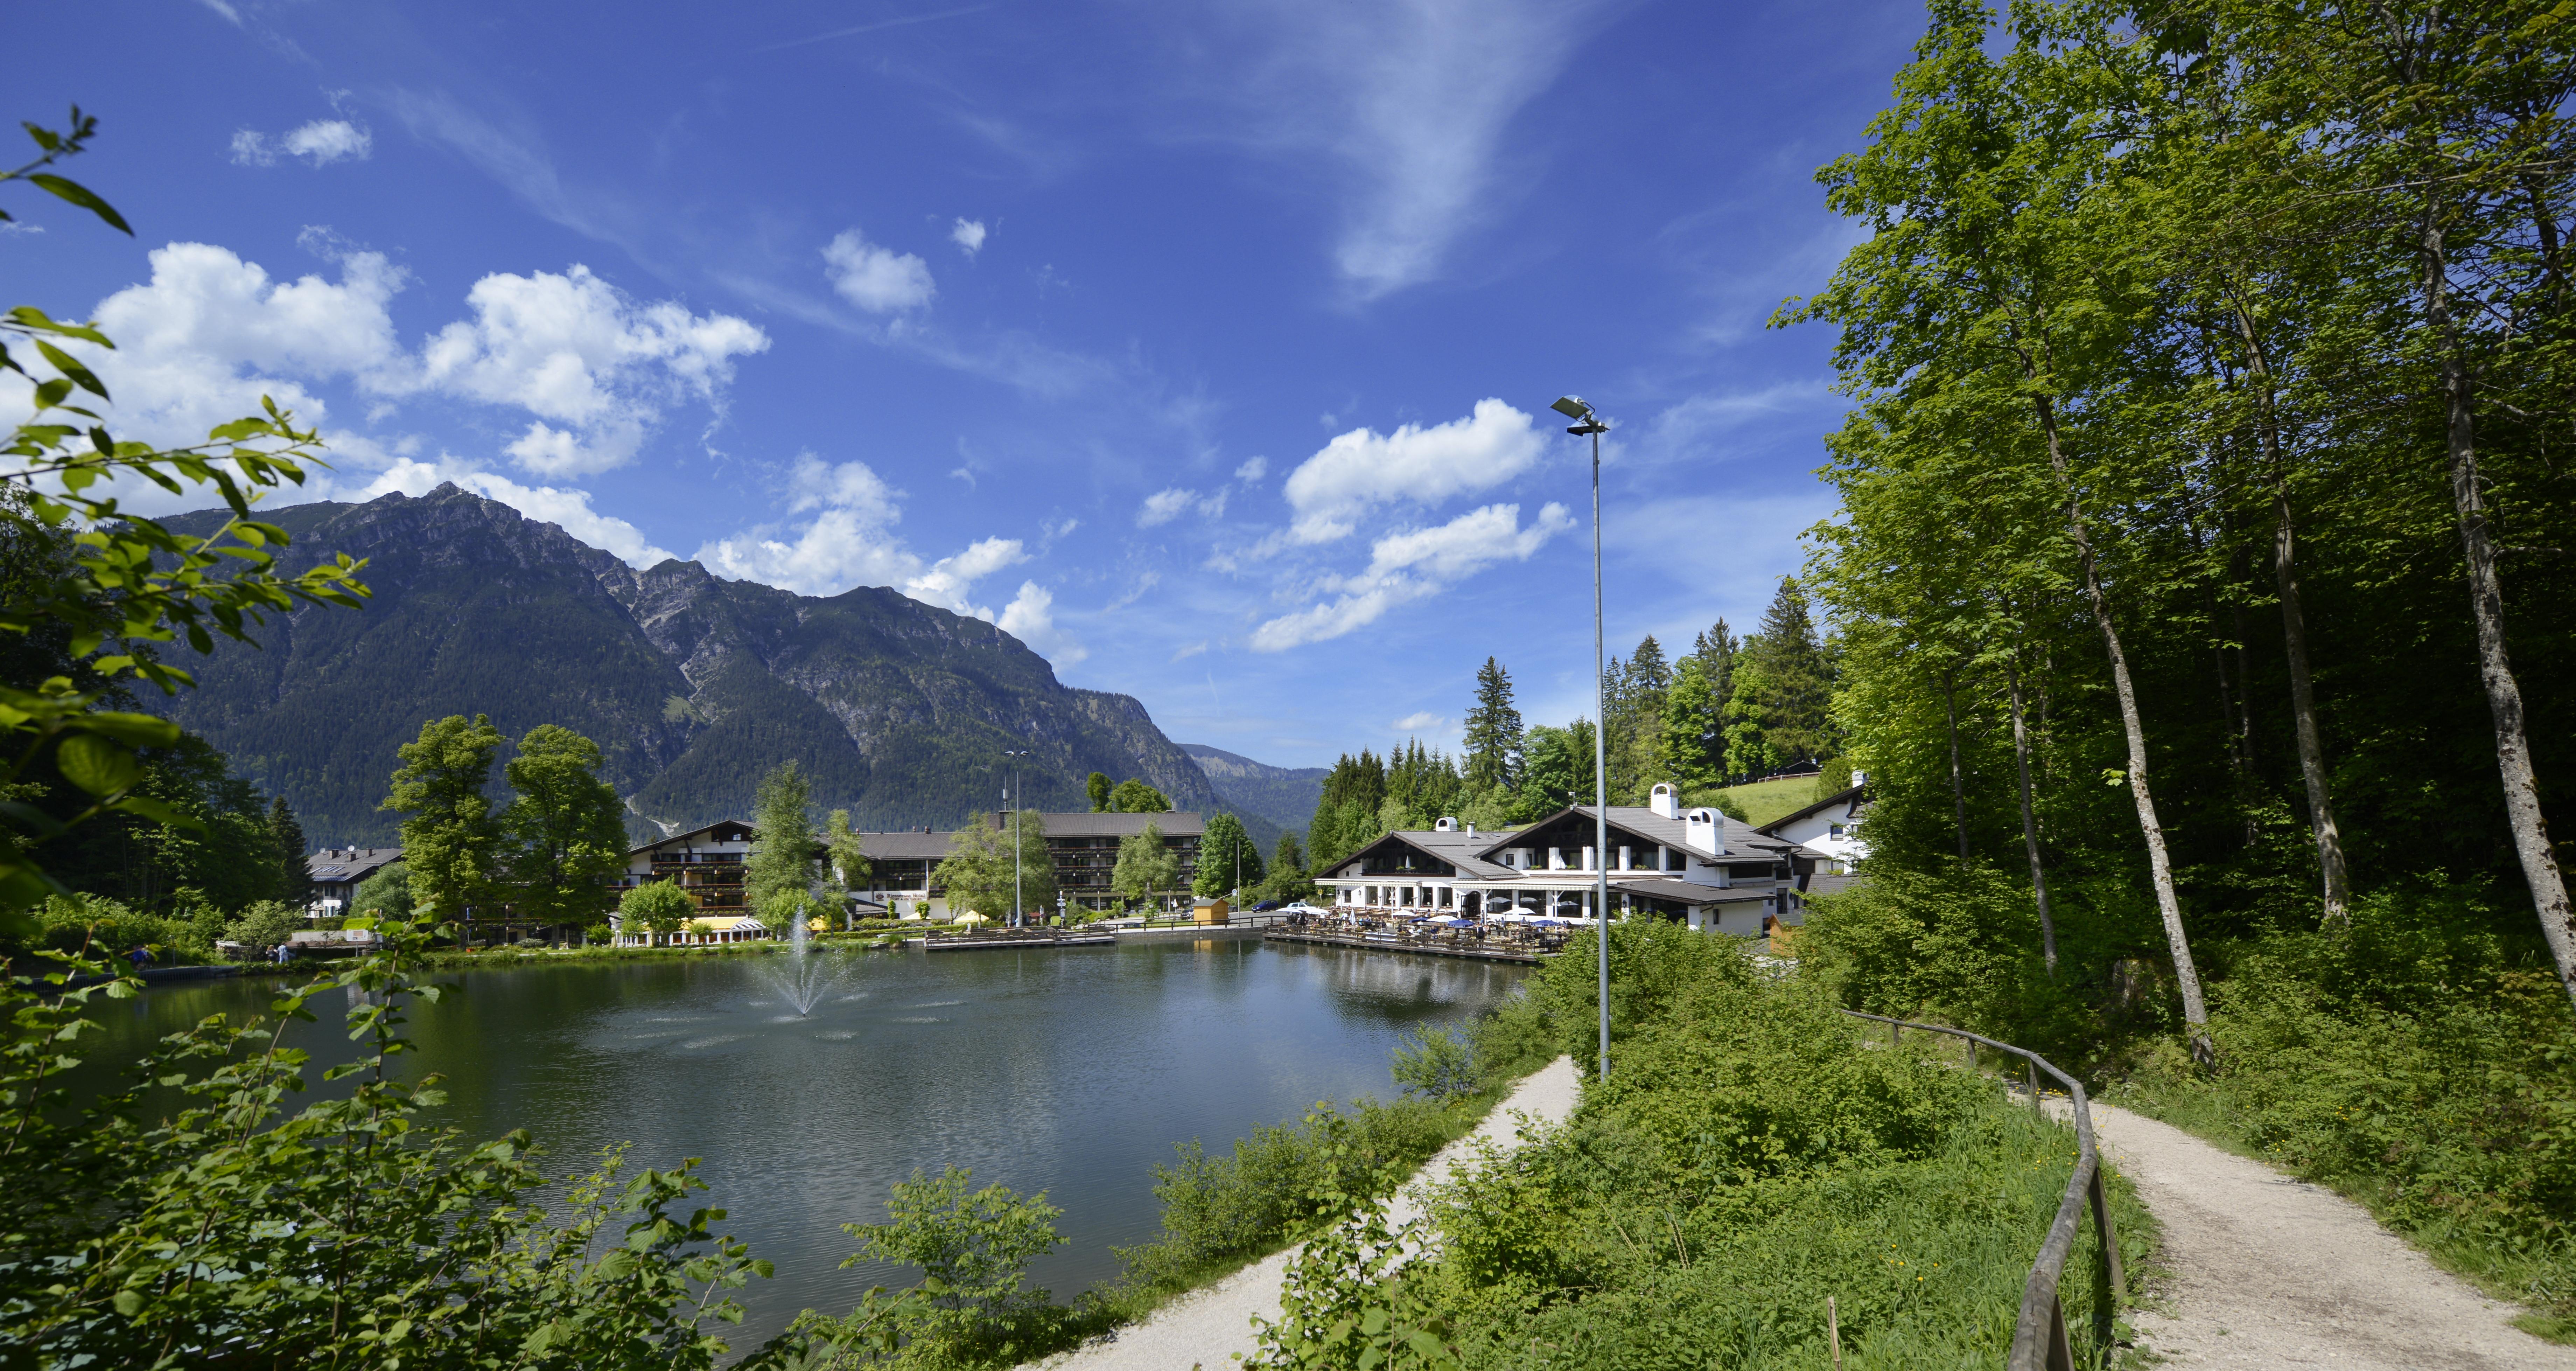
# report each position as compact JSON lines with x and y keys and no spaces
{"x":319,"y":143}
{"x":1411,"y":565}
{"x":969,"y":236}
{"x":1362,"y":470}
{"x":876,"y":279}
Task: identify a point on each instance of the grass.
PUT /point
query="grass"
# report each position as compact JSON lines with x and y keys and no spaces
{"x":1764,"y":801}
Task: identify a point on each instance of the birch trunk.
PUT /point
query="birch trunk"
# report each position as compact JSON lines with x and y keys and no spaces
{"x":2195,"y":1013}
{"x":2486,"y":603}
{"x":2030,"y":828}
{"x":2294,"y":641}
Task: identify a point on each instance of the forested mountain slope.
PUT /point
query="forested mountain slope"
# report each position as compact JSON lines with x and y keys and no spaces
{"x":1269,"y":799}
{"x":692,"y":686}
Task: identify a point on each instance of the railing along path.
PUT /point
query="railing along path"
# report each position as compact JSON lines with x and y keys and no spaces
{"x":2039,"y":1336}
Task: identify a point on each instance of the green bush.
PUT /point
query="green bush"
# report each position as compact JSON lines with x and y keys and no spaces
{"x":109,"y":928}
{"x":1747,"y":1157}
{"x":265,"y":925}
{"x":972,"y":1307}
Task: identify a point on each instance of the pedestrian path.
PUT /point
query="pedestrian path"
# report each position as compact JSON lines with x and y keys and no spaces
{"x":2263,"y":1270}
{"x":1209,"y":1328}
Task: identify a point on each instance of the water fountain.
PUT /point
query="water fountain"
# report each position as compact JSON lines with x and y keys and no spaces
{"x":803,"y":979}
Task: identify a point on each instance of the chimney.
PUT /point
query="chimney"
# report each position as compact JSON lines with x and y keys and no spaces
{"x":1705,"y":830}
{"x":1859,"y":779}
{"x":1471,"y":830}
{"x":1446,"y":825}
{"x":1665,"y":803}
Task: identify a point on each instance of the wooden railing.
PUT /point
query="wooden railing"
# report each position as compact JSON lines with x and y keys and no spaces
{"x":2039,"y":1335}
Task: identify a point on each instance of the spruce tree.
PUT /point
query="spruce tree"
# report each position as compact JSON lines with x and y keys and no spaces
{"x":781,"y":867}
{"x":294,"y":878}
{"x":1493,"y":741}
{"x":1795,"y":692}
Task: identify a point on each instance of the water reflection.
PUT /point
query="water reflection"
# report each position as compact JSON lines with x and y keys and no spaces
{"x":1067,"y":1071}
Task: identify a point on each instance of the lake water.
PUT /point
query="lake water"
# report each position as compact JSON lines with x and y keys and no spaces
{"x":1068,"y":1071}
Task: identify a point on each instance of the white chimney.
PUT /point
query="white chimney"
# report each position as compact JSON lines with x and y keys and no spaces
{"x":1665,"y":803}
{"x":1705,"y":830}
{"x":1860,"y":778}
{"x":1471,"y":830}
{"x":1446,"y":825}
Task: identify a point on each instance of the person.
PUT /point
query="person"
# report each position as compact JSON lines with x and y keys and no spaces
{"x":141,"y":956}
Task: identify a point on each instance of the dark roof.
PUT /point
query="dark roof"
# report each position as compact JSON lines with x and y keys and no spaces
{"x":903,"y":847}
{"x":349,"y":863}
{"x":701,"y":831}
{"x":1179,"y":823}
{"x":1851,"y":796}
{"x":1690,"y":892}
{"x":1460,"y":849}
{"x":1743,"y":841}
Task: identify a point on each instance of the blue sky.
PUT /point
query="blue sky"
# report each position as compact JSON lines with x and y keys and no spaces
{"x":1207,"y":347}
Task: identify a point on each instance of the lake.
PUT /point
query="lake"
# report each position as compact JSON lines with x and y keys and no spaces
{"x":1069,"y":1071}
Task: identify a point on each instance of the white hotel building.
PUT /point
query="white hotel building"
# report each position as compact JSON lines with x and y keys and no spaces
{"x":1699,"y":867}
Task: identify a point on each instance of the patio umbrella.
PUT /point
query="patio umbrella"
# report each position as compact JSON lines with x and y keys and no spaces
{"x":969,"y":917}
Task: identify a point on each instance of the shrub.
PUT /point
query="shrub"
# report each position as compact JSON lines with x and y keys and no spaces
{"x":108,"y":927}
{"x":265,"y":924}
{"x":1438,"y":1063}
{"x":973,"y":1248}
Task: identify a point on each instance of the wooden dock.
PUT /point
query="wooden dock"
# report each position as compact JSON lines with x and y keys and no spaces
{"x":1425,"y":947}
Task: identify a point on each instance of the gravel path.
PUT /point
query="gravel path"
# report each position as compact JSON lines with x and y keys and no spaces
{"x":2267,"y":1271}
{"x":1211,"y":1327}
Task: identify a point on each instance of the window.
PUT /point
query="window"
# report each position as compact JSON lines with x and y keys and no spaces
{"x":1833,"y":830}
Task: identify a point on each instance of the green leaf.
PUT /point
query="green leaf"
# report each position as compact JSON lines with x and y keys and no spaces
{"x":133,"y":730}
{"x":80,"y":195}
{"x":97,"y":764}
{"x":144,"y":806}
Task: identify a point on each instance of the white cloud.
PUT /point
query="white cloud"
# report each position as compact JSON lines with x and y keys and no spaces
{"x":948,"y":580}
{"x":1422,"y":722}
{"x":1030,"y":617}
{"x":878,"y":280}
{"x":1361,"y":470}
{"x":969,"y":236}
{"x":1409,"y":566}
{"x":1412,"y":101}
{"x":321,"y":142}
{"x":210,"y":334}
{"x":1253,"y":470}
{"x":1196,"y":649}
{"x":226,"y":10}
{"x":1163,"y":506}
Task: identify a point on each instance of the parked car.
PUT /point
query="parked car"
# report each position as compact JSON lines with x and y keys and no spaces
{"x":1265,"y":906}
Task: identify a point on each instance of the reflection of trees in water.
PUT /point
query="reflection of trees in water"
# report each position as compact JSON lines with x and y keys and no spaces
{"x":1403,"y":990}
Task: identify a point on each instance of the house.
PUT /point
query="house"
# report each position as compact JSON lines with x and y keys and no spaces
{"x":1830,"y":826}
{"x":337,"y":872}
{"x":707,"y":862}
{"x":1698,"y":867}
{"x":1083,"y":848}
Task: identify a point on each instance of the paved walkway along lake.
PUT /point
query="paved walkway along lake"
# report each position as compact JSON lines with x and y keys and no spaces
{"x":1210,"y":1328}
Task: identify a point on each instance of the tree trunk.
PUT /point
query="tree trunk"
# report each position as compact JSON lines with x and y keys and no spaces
{"x":1958,"y":789}
{"x":2294,"y":641}
{"x":2029,"y":827}
{"x":2486,"y":603}
{"x":2159,"y":866}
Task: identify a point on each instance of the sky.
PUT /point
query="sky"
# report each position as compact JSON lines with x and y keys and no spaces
{"x":1207,"y":348}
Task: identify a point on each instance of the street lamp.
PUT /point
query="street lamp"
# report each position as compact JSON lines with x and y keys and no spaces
{"x":1588,"y":423}
{"x":1018,"y":906}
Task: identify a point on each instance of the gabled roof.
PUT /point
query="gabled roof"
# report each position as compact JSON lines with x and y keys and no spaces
{"x":1176,"y":823}
{"x":1743,"y":841}
{"x":908,"y":846}
{"x":1461,"y":850}
{"x":1691,"y":892}
{"x":349,"y":863}
{"x":701,"y":832}
{"x":1852,"y":797}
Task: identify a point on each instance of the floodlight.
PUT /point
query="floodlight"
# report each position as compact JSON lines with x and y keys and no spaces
{"x":1572,"y":407}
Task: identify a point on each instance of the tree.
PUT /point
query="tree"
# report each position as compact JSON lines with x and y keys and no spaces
{"x":782,"y":845}
{"x":1558,"y":770}
{"x":1227,"y":859}
{"x":565,"y":832}
{"x":1287,"y":878}
{"x":451,"y":839}
{"x":1098,"y":789}
{"x":1135,"y":797}
{"x":286,"y":837}
{"x":1694,"y":748}
{"x":1794,"y":694}
{"x":1492,"y":746}
{"x":266,"y":924}
{"x":846,"y":858}
{"x":1633,"y":694}
{"x":1145,"y":865}
{"x":978,"y":874}
{"x":658,"y":907}
{"x":384,"y":895}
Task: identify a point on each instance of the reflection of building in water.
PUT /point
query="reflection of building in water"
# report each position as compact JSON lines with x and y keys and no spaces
{"x":1698,"y":867}
{"x":1393,"y":977}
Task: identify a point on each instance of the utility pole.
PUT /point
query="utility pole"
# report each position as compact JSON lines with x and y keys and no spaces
{"x":1591,"y":423}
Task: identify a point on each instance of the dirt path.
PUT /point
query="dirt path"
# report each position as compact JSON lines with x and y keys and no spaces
{"x":1210,"y":1327}
{"x":2267,"y":1271}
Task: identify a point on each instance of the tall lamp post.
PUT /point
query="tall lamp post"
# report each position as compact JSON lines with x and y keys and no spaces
{"x":1588,"y":423}
{"x":1018,"y":904}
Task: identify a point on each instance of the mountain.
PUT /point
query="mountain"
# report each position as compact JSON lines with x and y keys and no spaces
{"x":692,"y":686}
{"x":1269,"y":799}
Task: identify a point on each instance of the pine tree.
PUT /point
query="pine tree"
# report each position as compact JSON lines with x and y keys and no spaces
{"x":1715,"y":652}
{"x":1636,"y":741}
{"x":1796,"y":686}
{"x":1694,"y":752}
{"x":1493,"y":741}
{"x":294,"y":878}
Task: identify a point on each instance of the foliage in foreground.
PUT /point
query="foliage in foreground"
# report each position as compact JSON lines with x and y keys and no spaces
{"x":1746,"y":1158}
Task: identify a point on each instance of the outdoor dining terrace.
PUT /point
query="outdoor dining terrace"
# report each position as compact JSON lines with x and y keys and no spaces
{"x":1379,"y":928}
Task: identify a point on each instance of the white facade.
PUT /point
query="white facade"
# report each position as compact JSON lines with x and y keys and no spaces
{"x":1830,"y":827}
